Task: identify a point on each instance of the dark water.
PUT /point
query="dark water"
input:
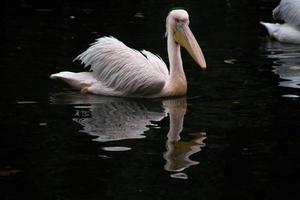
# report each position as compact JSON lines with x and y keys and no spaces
{"x":235,"y":135}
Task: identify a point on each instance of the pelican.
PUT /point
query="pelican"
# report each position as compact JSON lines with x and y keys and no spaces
{"x":117,"y":70}
{"x":289,"y":12}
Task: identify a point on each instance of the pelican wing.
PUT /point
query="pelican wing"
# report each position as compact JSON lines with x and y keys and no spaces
{"x":123,"y":69}
{"x":289,"y":11}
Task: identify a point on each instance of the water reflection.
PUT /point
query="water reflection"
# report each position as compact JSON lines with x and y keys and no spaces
{"x":286,"y":63}
{"x":179,"y":151}
{"x":114,"y":119}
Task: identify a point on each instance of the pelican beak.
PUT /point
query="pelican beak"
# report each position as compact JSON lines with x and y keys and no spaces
{"x":184,"y":36}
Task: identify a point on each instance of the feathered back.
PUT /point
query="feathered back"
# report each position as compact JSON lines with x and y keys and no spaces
{"x":289,"y":11}
{"x":124,"y":69}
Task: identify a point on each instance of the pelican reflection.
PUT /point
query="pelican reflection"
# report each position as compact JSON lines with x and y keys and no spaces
{"x":179,"y":151}
{"x":114,"y":119}
{"x":286,"y":63}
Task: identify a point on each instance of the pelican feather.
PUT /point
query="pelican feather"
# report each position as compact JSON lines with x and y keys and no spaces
{"x":288,"y":11}
{"x":289,"y":31}
{"x":123,"y":68}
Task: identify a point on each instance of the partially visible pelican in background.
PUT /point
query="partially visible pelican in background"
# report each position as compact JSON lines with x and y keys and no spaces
{"x":289,"y":12}
{"x":117,"y":70}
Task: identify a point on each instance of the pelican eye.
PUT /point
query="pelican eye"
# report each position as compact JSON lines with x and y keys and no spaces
{"x":179,"y":25}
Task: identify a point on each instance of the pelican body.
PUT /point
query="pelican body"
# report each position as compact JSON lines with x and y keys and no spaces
{"x":117,"y":70}
{"x":289,"y":12}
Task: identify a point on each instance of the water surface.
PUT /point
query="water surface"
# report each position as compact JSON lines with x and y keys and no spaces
{"x":235,"y":135}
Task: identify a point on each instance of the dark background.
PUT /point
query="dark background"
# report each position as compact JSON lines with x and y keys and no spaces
{"x":252,"y":145}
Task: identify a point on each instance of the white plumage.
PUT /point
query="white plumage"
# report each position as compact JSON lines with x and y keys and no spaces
{"x":289,"y":12}
{"x":117,"y":70}
{"x":283,"y":32}
{"x":123,"y":68}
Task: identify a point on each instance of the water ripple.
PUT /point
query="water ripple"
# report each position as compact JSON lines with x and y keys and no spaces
{"x":115,"y":119}
{"x":286,"y":60}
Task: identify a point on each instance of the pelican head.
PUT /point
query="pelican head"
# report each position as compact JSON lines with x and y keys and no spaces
{"x":177,"y":25}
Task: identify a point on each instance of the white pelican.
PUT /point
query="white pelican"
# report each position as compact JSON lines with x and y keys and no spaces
{"x":289,"y":12}
{"x":117,"y":70}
